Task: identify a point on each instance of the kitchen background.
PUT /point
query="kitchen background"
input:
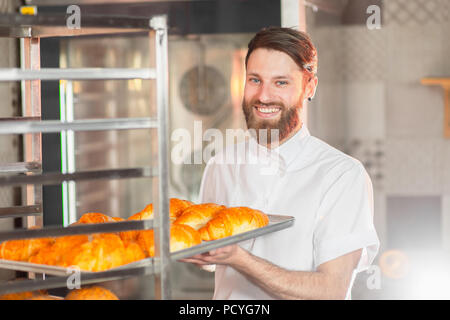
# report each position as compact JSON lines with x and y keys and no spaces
{"x":370,"y":103}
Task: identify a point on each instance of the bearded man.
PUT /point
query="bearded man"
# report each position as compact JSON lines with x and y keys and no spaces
{"x":328,"y":192}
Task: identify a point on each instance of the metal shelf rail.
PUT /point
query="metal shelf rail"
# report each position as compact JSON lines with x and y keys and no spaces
{"x":30,"y":29}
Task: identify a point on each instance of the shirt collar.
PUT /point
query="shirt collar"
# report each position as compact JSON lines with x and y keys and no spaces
{"x":282,"y":156}
{"x":290,"y":148}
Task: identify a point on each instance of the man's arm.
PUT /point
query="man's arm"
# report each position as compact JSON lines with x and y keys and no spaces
{"x":330,"y":281}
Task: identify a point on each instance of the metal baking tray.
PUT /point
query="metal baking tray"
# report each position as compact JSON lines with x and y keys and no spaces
{"x":276,"y":223}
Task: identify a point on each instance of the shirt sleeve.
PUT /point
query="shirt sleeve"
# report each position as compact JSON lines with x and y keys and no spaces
{"x":345,"y":220}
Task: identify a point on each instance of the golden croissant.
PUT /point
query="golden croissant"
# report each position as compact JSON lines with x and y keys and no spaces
{"x":181,"y":237}
{"x":231,"y":221}
{"x":198,"y":215}
{"x":91,"y":293}
{"x":23,"y":249}
{"x":103,"y":252}
{"x":133,"y":252}
{"x":26,"y":295}
{"x":176,"y":207}
{"x":94,"y":217}
{"x":56,"y":253}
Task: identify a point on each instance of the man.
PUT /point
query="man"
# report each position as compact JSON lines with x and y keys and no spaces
{"x":329,"y":193}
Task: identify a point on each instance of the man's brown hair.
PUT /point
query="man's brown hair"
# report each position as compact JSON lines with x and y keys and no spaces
{"x":294,"y":43}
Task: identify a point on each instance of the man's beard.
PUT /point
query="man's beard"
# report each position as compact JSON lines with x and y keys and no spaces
{"x":289,"y":120}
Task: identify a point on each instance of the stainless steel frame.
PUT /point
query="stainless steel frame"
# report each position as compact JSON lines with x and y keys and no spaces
{"x":30,"y":59}
{"x":30,"y":29}
{"x":162,"y":220}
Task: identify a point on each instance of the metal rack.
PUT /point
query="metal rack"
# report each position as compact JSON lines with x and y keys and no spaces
{"x":30,"y":29}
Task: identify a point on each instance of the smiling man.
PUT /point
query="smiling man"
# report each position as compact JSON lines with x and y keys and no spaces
{"x":328,"y":192}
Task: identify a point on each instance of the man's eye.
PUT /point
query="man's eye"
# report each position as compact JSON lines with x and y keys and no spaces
{"x":254,"y":80}
{"x":281,"y":83}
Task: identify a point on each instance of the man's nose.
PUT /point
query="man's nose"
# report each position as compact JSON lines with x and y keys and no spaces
{"x":265,"y":94}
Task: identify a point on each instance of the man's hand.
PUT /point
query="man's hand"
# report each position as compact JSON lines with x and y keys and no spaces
{"x":229,"y":255}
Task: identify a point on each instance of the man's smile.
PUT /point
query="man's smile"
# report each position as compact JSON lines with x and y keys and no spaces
{"x":267,"y":111}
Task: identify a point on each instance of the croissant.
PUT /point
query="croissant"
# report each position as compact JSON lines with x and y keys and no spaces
{"x":45,"y":256}
{"x":103,"y":252}
{"x":26,"y":295}
{"x":58,"y":250}
{"x":176,"y":207}
{"x":23,"y":249}
{"x":17,"y":296}
{"x":94,"y":217}
{"x":181,"y":237}
{"x":231,"y":221}
{"x":91,"y":293}
{"x":198,"y":215}
{"x":15,"y":250}
{"x":133,"y":252}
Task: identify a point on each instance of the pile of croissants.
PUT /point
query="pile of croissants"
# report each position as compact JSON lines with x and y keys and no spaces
{"x":190,"y":225}
{"x":87,"y":293}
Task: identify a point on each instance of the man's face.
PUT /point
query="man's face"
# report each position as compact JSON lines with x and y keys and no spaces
{"x":273,"y":93}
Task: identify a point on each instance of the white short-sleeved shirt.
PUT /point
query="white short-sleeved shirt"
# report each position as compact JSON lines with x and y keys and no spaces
{"x":328,"y":192}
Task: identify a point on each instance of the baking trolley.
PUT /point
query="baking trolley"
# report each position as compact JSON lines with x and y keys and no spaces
{"x":30,"y":28}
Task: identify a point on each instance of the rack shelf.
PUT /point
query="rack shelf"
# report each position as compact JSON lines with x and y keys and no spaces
{"x":47,"y":126}
{"x":58,"y":178}
{"x":77,"y":229}
{"x":14,"y":74}
{"x":20,"y":211}
{"x":20,"y":167}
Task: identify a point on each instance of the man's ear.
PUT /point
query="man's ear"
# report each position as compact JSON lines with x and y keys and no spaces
{"x":313,"y":83}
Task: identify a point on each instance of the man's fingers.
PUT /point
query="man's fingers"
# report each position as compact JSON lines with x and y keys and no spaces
{"x":198,"y":259}
{"x":210,"y":257}
{"x":188,"y":260}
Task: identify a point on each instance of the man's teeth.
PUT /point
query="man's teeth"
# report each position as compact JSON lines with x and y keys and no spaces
{"x":268,"y":110}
